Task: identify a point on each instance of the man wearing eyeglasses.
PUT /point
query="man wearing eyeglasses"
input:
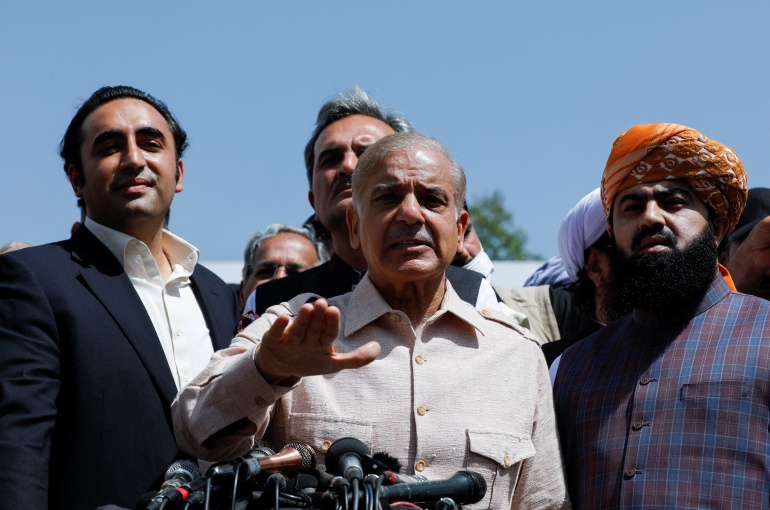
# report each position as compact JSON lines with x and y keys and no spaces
{"x":278,"y":251}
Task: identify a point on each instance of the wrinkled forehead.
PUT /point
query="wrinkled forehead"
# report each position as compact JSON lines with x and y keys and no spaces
{"x":420,"y":165}
{"x":361,"y":128}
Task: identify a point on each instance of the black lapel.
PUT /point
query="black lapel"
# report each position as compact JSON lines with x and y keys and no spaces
{"x":207,"y":294}
{"x":103,"y":275}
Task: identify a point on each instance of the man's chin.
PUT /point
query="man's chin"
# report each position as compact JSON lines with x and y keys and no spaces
{"x":668,"y":279}
{"x":410,"y":270}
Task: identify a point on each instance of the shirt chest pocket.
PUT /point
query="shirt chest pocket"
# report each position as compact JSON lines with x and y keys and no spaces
{"x":498,"y":457}
{"x":721,"y":407}
{"x":320,"y":431}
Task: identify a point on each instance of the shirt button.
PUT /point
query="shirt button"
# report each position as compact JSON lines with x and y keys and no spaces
{"x":260,"y":401}
{"x":394,"y":318}
{"x":325,"y":444}
{"x":644,"y":380}
{"x":630,"y":472}
{"x":419,"y":359}
{"x":421,"y":410}
{"x":485,"y":312}
{"x":638,"y":424}
{"x":420,"y":466}
{"x":178,"y":333}
{"x":507,"y":461}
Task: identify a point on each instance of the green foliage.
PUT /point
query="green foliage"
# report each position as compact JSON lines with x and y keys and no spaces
{"x":494,"y":226}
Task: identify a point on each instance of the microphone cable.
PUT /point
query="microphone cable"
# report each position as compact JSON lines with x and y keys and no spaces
{"x":371,"y":482}
{"x":345,"y":496}
{"x":235,"y":484}
{"x":278,"y":482}
{"x":207,"y":500}
{"x":356,"y":493}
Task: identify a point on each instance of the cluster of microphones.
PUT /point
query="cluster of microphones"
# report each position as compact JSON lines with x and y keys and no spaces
{"x":353,"y":479}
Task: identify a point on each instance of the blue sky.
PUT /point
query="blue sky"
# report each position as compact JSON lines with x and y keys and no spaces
{"x":528,"y":96}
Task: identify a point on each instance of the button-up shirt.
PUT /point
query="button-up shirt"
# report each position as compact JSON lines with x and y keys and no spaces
{"x":671,"y":410}
{"x":466,"y":390}
{"x":171,"y":304}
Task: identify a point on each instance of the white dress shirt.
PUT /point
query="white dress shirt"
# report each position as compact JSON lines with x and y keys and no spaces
{"x":171,"y":305}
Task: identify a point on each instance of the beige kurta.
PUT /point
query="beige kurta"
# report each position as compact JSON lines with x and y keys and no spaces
{"x":467,"y":391}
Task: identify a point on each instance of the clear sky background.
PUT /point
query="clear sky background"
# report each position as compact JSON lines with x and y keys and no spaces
{"x":528,"y":96}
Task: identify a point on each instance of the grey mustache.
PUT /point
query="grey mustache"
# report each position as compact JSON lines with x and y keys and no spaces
{"x":417,"y":232}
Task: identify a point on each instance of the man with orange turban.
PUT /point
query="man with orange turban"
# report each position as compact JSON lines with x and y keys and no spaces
{"x":668,"y":406}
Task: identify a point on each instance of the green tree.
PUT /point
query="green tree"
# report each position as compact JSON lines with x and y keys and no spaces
{"x":494,"y":226}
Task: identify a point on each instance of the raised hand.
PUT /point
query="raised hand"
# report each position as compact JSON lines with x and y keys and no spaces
{"x":304,"y":346}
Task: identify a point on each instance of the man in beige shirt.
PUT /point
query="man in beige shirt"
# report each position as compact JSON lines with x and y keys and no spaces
{"x":438,"y":384}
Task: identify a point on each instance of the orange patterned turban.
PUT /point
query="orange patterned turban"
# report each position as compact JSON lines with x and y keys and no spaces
{"x":656,"y":152}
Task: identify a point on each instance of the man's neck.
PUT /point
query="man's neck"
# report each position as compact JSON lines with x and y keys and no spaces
{"x":419,"y":300}
{"x":353,"y":258}
{"x":151,"y":234}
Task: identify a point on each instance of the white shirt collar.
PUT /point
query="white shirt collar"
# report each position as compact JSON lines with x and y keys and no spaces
{"x":176,"y":249}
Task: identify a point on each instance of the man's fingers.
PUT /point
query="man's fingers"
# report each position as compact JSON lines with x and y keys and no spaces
{"x":331,"y":326}
{"x":277,"y":329}
{"x":357,"y":358}
{"x":315,"y":325}
{"x":298,"y":329}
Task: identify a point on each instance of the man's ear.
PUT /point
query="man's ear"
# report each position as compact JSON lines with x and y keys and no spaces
{"x":311,"y":198}
{"x":721,"y":224}
{"x":351,"y":216}
{"x":76,"y":181}
{"x":179,"y":175}
{"x":462,"y":225}
{"x":594,"y":269}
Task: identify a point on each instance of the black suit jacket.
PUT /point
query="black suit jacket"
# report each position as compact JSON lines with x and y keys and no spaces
{"x":85,"y":389}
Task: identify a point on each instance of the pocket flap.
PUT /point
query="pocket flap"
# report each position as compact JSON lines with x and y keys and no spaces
{"x":504,"y":448}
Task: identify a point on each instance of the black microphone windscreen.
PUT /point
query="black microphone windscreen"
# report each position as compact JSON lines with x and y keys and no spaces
{"x":303,"y":482}
{"x":344,"y":445}
{"x":388,"y":460}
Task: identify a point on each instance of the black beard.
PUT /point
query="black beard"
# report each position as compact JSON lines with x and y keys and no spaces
{"x":667,"y":281}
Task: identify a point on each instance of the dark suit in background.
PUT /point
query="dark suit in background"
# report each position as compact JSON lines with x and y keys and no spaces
{"x":85,"y":388}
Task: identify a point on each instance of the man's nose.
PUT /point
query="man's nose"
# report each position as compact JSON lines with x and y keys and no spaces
{"x":133,"y":156}
{"x":349,"y":163}
{"x":652,"y":216}
{"x":409,"y":210}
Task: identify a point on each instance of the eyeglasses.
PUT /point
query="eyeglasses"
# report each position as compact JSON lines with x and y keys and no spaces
{"x":268,"y":270}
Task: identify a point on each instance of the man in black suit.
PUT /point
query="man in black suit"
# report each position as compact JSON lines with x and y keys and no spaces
{"x":345,"y":127}
{"x":98,"y":332}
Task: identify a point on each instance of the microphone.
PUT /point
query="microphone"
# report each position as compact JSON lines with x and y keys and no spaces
{"x":464,"y":487}
{"x":293,"y":458}
{"x":219,"y":474}
{"x":179,"y":473}
{"x":343,"y":454}
{"x":350,"y":458}
{"x":228,"y":469}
